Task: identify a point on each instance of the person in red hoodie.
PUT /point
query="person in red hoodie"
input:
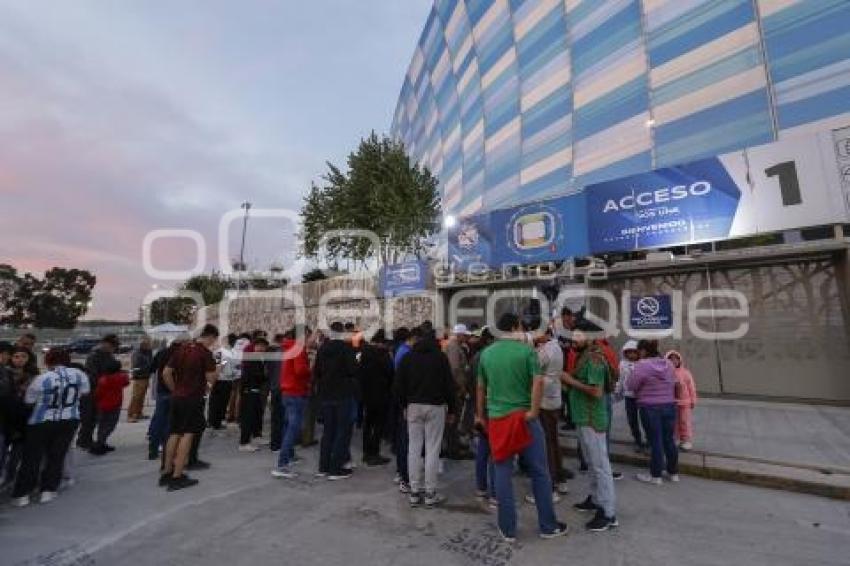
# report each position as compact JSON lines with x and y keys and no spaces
{"x":295,"y":390}
{"x":109,"y":397}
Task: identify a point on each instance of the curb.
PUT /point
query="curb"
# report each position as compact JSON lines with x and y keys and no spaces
{"x":743,"y":472}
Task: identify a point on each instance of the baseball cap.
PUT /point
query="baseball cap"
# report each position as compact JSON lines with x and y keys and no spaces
{"x":460,"y":329}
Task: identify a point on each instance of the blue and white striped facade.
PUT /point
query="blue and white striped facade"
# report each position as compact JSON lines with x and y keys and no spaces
{"x":515,"y":101}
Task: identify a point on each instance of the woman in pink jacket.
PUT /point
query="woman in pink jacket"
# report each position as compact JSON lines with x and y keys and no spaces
{"x":686,"y":401}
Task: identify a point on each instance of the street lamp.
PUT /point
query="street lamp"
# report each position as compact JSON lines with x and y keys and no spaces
{"x":449,"y":221}
{"x":246,"y":206}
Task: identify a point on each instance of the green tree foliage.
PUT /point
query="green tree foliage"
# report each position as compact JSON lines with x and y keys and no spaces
{"x":57,"y":300}
{"x":382,"y":192}
{"x":177,"y":310}
{"x":213,"y":286}
{"x":10,"y":283}
{"x":313,"y":275}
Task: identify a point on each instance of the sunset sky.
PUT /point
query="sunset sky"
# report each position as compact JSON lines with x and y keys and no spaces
{"x":118,"y":118}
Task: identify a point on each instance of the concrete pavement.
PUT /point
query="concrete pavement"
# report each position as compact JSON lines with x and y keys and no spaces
{"x":804,"y":448}
{"x":240,"y":515}
{"x":789,"y":433}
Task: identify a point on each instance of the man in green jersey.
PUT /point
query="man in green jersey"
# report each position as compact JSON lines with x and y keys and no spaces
{"x":590,"y":415}
{"x":509,"y":381}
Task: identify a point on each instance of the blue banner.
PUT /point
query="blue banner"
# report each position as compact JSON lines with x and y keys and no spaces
{"x":404,"y":278}
{"x":674,"y":206}
{"x":551,"y":230}
{"x":470,"y":242}
{"x":651,"y":312}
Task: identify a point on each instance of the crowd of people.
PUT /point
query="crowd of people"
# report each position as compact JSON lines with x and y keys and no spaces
{"x":500,"y":398}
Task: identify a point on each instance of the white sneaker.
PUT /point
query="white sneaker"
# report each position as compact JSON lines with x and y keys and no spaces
{"x":284,"y":473}
{"x":556,"y":498}
{"x":350,"y":466}
{"x":672,"y":477}
{"x":686,"y":446}
{"x":506,"y":538}
{"x":47,"y":496}
{"x":260,"y":441}
{"x":433,"y":499}
{"x":646,"y":478}
{"x":21,"y":501}
{"x":247,"y":448}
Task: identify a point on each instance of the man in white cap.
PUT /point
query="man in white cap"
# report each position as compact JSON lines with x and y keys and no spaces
{"x":458,"y":354}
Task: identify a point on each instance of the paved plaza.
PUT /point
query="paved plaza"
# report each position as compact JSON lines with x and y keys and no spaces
{"x":240,"y":515}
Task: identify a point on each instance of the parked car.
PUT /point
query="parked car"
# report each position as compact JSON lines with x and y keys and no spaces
{"x":82,"y":345}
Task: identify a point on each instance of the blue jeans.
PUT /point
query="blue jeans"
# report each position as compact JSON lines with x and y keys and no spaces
{"x":634,"y":423}
{"x":158,"y":428}
{"x":293,"y":416}
{"x":484,"y":469}
{"x":659,"y":423}
{"x":336,"y":424}
{"x":534,"y":459}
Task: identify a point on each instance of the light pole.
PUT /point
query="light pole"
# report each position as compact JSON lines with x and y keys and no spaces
{"x":246,"y":206}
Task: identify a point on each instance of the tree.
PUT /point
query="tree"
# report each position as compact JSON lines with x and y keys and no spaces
{"x":313,"y":275}
{"x":211,"y":287}
{"x":381,"y":192}
{"x":57,"y":300}
{"x":177,"y":310}
{"x":215,"y":285}
{"x":10,"y":282}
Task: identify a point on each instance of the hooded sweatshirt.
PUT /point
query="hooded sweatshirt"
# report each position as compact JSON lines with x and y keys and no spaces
{"x":376,"y":374}
{"x":653,"y":382}
{"x":686,"y":389}
{"x":335,"y":371}
{"x":626,"y":368}
{"x":425,"y":377}
{"x":295,"y":370}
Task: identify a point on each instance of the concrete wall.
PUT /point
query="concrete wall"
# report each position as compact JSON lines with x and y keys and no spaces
{"x":798,"y":343}
{"x":344,"y":299}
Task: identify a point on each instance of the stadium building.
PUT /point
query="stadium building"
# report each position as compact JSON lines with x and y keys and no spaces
{"x":691,"y":144}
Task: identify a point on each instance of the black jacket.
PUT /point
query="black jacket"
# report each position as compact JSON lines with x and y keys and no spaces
{"x":335,"y":372}
{"x":7,"y":398}
{"x":272,"y":369}
{"x":142,"y":363}
{"x":425,"y":378}
{"x":254,"y":375}
{"x":157,"y":365}
{"x":96,"y":365}
{"x":376,"y":375}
